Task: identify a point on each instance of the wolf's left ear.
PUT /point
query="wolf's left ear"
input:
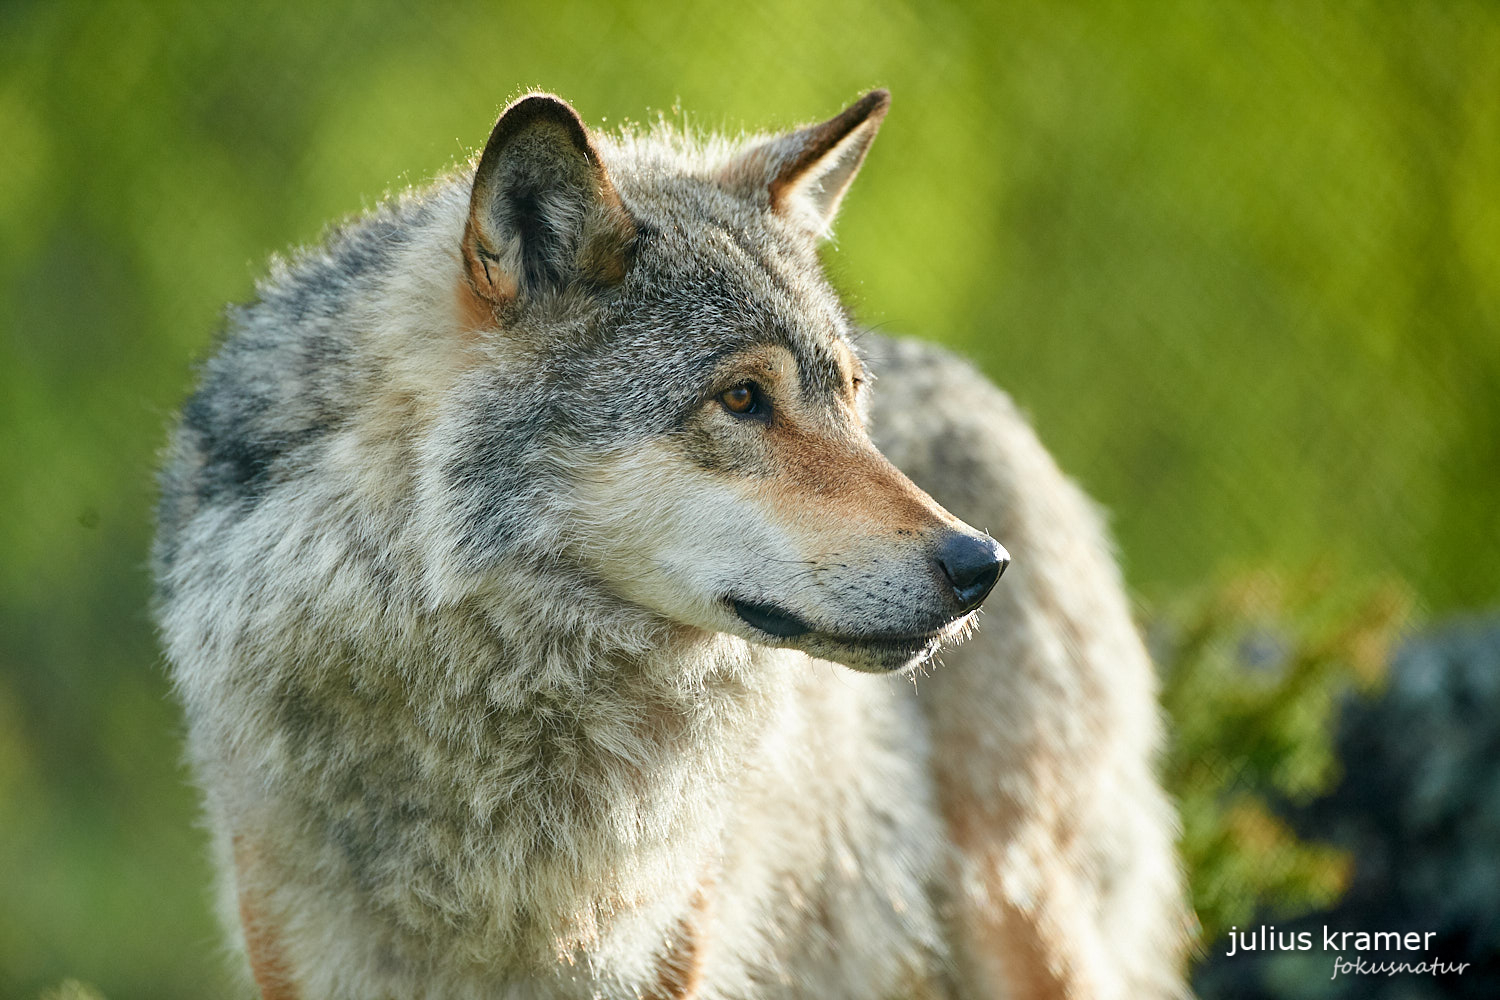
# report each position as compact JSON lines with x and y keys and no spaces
{"x":803,"y":175}
{"x":543,"y":213}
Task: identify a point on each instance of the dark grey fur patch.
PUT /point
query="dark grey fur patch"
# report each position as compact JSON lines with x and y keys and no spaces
{"x":281,"y":378}
{"x":508,"y":435}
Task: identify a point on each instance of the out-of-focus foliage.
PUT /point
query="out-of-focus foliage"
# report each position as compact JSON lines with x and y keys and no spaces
{"x":1417,"y":810}
{"x":1241,"y":261}
{"x":1253,"y":676}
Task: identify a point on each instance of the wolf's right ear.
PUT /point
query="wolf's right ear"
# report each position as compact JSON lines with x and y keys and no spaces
{"x":543,"y":213}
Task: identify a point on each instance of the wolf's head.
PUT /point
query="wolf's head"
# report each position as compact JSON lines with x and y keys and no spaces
{"x":674,"y":404}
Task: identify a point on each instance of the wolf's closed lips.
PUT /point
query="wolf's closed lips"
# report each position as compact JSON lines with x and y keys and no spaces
{"x":782,"y":624}
{"x":770,"y":619}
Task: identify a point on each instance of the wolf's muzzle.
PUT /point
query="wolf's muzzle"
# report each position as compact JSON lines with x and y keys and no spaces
{"x":971,"y":564}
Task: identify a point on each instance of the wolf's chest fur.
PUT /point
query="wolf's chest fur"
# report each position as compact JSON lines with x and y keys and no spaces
{"x":479,"y":809}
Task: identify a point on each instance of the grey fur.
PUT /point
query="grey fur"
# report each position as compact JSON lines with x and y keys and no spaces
{"x":446,"y":608}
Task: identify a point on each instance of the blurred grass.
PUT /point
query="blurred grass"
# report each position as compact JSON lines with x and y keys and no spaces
{"x":1242,"y":263}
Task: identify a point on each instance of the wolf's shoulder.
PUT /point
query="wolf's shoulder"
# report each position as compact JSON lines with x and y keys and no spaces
{"x":909,"y":370}
{"x":965,"y":441}
{"x":931,"y":405}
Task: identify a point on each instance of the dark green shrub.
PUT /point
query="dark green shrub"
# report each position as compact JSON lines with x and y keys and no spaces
{"x":1253,"y":674}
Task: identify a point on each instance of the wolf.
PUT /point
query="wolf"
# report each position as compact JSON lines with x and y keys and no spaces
{"x":555,"y":580}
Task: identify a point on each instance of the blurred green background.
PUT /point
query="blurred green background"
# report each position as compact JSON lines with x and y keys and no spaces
{"x":1240,"y":261}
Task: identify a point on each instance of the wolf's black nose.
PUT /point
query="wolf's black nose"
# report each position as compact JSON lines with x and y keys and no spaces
{"x":972,"y":565}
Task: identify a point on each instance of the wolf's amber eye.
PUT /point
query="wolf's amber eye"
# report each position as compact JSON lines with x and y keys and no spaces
{"x":742,"y":400}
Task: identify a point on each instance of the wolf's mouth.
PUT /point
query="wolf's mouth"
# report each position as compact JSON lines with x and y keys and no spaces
{"x":782,"y":624}
{"x":770,"y":619}
{"x":871,"y":653}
